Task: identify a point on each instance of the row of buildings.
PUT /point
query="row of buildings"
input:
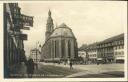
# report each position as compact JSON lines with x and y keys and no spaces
{"x":14,"y":52}
{"x":107,"y":51}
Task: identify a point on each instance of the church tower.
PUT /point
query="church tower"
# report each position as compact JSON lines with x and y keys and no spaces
{"x":49,"y":26}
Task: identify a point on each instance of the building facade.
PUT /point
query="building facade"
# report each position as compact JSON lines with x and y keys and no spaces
{"x":14,"y":52}
{"x":82,"y":53}
{"x":110,"y":50}
{"x":106,"y":52}
{"x":35,"y":54}
{"x":83,"y":56}
{"x":92,"y":53}
{"x":119,"y":53}
{"x":60,"y":43}
{"x":119,"y":50}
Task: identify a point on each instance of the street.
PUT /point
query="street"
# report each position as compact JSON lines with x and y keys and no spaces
{"x":50,"y":70}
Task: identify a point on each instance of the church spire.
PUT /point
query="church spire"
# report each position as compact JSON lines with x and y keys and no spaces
{"x":49,"y":26}
{"x":49,"y":13}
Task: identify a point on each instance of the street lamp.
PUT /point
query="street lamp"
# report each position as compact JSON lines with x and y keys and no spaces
{"x":36,"y":55}
{"x":36,"y":50}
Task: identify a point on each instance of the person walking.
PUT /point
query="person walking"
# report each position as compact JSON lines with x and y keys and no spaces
{"x":30,"y":68}
{"x":70,"y":65}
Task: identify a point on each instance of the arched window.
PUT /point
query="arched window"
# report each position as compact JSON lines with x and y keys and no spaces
{"x":63,"y":48}
{"x":69,"y":49}
{"x":55,"y":49}
{"x":52,"y":49}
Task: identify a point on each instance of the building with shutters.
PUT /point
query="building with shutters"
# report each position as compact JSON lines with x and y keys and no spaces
{"x":92,"y":53}
{"x":60,"y":42}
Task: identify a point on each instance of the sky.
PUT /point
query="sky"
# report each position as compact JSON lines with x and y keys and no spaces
{"x":90,"y":21}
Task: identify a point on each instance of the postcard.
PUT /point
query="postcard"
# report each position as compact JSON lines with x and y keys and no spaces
{"x":64,"y":41}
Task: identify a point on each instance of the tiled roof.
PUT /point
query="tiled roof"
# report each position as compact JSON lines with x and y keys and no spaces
{"x":90,"y":46}
{"x":114,"y":38}
{"x":94,"y":45}
{"x":62,"y":30}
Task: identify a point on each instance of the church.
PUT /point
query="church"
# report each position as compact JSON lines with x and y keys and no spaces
{"x":60,"y":43}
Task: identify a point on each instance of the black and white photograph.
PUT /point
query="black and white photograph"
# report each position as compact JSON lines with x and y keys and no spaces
{"x":65,"y":39}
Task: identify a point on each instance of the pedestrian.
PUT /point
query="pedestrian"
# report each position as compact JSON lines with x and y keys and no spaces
{"x":97,"y":62}
{"x":70,"y":65}
{"x":30,"y":67}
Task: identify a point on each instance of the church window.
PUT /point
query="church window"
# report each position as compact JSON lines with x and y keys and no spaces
{"x":63,"y":48}
{"x":55,"y":49}
{"x":69,"y":49}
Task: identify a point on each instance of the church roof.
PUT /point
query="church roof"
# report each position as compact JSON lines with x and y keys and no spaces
{"x":63,"y":25}
{"x":62,"y":30}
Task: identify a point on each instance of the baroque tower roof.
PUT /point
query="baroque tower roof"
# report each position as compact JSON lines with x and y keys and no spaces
{"x":49,"y":26}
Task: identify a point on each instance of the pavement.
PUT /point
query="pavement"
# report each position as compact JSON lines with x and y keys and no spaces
{"x":81,"y":71}
{"x":93,"y":67}
{"x":102,"y":70}
{"x":53,"y":70}
{"x":113,"y":74}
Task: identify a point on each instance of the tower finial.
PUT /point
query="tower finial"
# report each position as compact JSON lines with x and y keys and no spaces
{"x":49,"y":26}
{"x":49,"y":12}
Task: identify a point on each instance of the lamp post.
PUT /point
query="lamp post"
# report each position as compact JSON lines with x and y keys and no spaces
{"x":36,"y":55}
{"x":36,"y":50}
